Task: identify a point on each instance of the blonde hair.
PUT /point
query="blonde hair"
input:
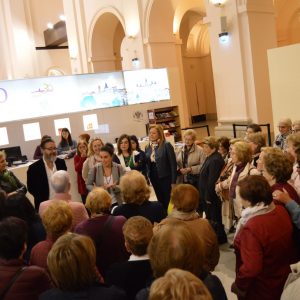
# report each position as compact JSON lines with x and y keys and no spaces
{"x":294,"y":139}
{"x":178,"y":284}
{"x":81,"y":142}
{"x":138,"y":232}
{"x":257,"y":138}
{"x":191,"y":133}
{"x":185,"y":197}
{"x":160,"y":132}
{"x":90,"y":149}
{"x":211,"y":142}
{"x":98,"y":201}
{"x":175,"y":245}
{"x":134,"y":187}
{"x":72,"y":262}
{"x":57,"y":219}
{"x":243,"y":152}
{"x":3,"y":154}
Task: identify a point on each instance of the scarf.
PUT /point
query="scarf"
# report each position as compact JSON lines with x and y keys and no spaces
{"x":253,"y":211}
{"x":153,"y":146}
{"x":184,"y":216}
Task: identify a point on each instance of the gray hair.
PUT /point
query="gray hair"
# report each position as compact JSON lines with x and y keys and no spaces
{"x":60,"y":181}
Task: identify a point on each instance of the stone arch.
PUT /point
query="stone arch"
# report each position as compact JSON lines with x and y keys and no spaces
{"x":106,"y":34}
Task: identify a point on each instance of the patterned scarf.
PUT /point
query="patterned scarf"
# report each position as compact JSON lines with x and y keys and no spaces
{"x":153,"y":146}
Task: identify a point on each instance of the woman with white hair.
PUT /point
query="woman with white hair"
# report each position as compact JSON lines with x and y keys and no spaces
{"x":285,"y":129}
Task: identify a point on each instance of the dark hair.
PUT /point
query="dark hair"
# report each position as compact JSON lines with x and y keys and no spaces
{"x":224,"y":142}
{"x":254,"y":127}
{"x":135,"y":139}
{"x":63,"y":141}
{"x":18,"y":205}
{"x":255,"y":189}
{"x":45,"y":141}
{"x":13,"y":235}
{"x":122,"y":137}
{"x":107,"y":148}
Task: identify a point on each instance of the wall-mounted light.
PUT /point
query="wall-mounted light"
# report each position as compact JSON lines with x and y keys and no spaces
{"x":223,"y":35}
{"x":50,"y":25}
{"x":62,"y":17}
{"x":218,"y":2}
{"x":135,"y":63}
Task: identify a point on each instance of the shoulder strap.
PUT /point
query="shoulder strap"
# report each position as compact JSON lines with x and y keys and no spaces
{"x":11,"y":283}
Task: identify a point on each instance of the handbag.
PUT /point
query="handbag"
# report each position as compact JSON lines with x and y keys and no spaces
{"x":193,"y":179}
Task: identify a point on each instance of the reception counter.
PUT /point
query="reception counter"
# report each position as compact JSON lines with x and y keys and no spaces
{"x":21,"y":172}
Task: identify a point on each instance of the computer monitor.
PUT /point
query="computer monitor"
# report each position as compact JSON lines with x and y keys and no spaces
{"x":12,"y":154}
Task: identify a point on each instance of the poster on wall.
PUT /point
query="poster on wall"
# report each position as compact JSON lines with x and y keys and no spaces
{"x":46,"y":96}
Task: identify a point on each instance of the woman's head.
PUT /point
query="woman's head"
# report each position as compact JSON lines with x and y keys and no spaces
{"x":210,"y":145}
{"x":255,"y":189}
{"x":123,"y":144}
{"x":95,"y":146}
{"x":293,"y":145}
{"x":189,"y":137}
{"x":241,"y":153}
{"x":85,"y":137}
{"x":13,"y":238}
{"x":175,"y":245}
{"x":18,"y":205}
{"x":276,"y":167}
{"x":72,"y":262}
{"x":57,"y":219}
{"x":82,"y":147}
{"x":106,"y":155}
{"x":252,"y":128}
{"x":3,"y":162}
{"x":224,"y":145}
{"x":134,"y":187}
{"x":285,"y":126}
{"x":178,"y":284}
{"x":134,"y":143}
{"x":66,"y":136}
{"x":185,"y":197}
{"x":156,"y":133}
{"x":98,"y":201}
{"x":256,"y":142}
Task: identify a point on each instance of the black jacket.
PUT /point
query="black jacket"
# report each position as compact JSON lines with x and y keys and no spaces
{"x":37,"y":181}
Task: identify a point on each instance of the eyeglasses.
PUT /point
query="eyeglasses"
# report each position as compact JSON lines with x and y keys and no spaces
{"x":50,"y":149}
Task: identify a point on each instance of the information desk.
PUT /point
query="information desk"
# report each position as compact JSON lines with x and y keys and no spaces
{"x":21,"y":173}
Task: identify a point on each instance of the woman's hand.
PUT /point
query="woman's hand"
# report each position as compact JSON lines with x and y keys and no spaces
{"x":282,"y":197}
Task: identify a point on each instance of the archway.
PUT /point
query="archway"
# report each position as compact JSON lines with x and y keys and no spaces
{"x":106,"y":39}
{"x":197,"y":67}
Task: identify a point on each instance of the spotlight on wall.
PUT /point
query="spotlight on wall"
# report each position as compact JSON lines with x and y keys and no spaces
{"x":217,"y":2}
{"x":50,"y":25}
{"x":135,"y":63}
{"x":223,"y":35}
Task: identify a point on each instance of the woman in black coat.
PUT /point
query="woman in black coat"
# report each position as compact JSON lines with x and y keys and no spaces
{"x":210,"y":171}
{"x":161,"y":164}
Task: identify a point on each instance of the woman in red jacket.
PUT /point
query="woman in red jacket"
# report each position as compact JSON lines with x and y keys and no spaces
{"x":263,"y":243}
{"x":79,"y":159}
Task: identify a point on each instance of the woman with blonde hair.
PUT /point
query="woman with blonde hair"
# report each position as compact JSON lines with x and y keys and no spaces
{"x":93,"y":156}
{"x":241,"y":156}
{"x":72,"y":265}
{"x":189,"y":159}
{"x":185,"y":199}
{"x":178,"y":284}
{"x":161,"y":164}
{"x":57,"y":221}
{"x":104,"y":229}
{"x":136,"y":193}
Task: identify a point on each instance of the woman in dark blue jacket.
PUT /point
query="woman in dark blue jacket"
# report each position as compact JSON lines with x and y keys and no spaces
{"x":161,"y":164}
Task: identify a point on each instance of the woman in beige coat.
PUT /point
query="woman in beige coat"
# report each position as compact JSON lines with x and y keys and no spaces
{"x":185,"y":199}
{"x":189,"y":160}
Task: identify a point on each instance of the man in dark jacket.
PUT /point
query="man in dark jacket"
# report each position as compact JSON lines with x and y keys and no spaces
{"x":40,"y":173}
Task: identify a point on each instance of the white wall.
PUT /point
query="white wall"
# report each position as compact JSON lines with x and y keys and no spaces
{"x":284,"y":70}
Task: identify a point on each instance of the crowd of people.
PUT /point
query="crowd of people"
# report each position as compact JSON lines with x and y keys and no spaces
{"x":117,"y":244}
